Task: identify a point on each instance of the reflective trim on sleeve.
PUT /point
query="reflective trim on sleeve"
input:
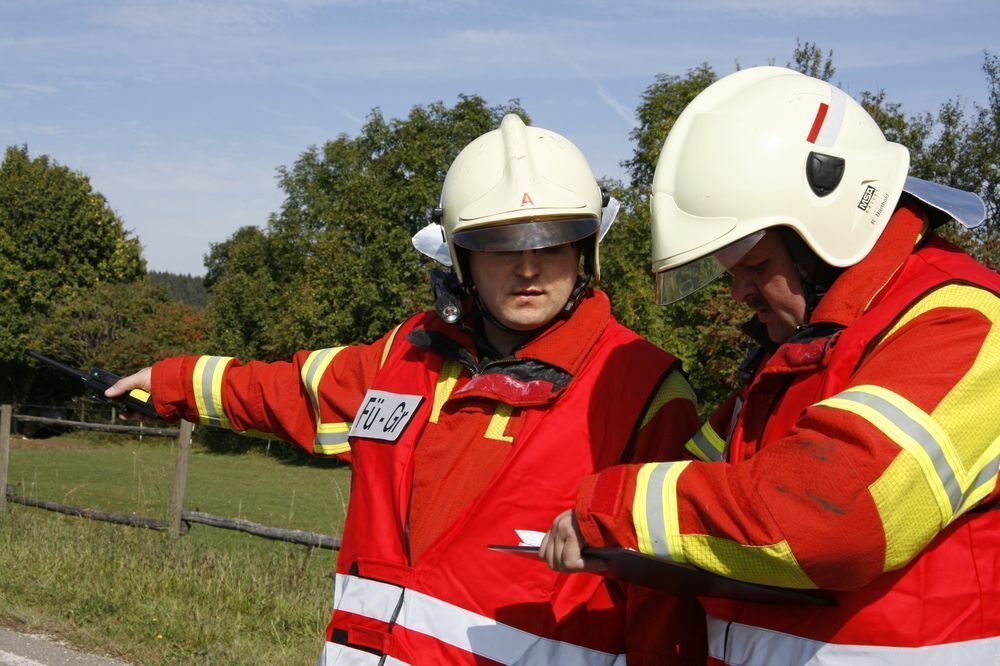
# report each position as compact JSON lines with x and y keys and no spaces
{"x":461,"y":628}
{"x":706,"y":445}
{"x":986,"y":481}
{"x":654,"y":510}
{"x":331,"y":438}
{"x":916,"y":432}
{"x":735,"y":643}
{"x":312,"y":372}
{"x":207,"y":383}
{"x":673,"y":386}
{"x":450,"y":372}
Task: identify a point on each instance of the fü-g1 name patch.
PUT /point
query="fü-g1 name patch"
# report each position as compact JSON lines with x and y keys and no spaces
{"x":384,"y":415}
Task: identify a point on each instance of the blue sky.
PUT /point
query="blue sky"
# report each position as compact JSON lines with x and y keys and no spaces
{"x":180,"y":111}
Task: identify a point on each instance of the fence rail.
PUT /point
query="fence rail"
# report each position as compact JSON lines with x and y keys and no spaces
{"x":85,"y":425}
{"x":179,"y":521}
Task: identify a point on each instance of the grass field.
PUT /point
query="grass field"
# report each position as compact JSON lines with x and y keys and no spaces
{"x":217,"y":597}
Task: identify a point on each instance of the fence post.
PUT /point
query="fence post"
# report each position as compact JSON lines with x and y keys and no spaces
{"x":6,"y":412}
{"x":180,"y":479}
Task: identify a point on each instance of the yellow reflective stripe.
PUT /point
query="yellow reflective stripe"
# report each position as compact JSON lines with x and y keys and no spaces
{"x":654,"y":510}
{"x":675,"y":385}
{"x":772,"y":564}
{"x":312,"y":373}
{"x":388,"y":345}
{"x":331,"y":449}
{"x":706,"y":445}
{"x":207,"y":384}
{"x":445,"y":385}
{"x":986,"y":480}
{"x":329,"y":436}
{"x":968,"y":412}
{"x":913,"y":431}
{"x":498,"y":424}
{"x":639,"y":508}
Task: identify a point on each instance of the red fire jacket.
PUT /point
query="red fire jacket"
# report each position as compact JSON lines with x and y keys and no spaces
{"x":451,"y":455}
{"x":862,"y":459}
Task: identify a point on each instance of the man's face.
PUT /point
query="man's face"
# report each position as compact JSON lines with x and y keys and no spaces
{"x":766,"y":281}
{"x":525,"y":289}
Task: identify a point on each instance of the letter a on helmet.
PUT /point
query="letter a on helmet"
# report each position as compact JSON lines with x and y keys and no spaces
{"x":768,"y":147}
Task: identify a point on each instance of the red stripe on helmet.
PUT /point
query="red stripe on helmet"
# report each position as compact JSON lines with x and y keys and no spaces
{"x":818,"y":122}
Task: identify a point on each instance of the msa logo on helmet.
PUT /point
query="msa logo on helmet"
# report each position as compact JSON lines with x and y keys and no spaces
{"x":866,"y":198}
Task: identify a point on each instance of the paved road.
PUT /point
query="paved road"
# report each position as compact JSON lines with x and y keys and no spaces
{"x":17,"y":649}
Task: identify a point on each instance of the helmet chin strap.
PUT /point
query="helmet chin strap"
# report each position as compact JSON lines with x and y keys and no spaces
{"x":815,"y":275}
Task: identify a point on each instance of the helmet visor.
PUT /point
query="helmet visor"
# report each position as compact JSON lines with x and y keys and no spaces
{"x":529,"y":235}
{"x":676,"y":283}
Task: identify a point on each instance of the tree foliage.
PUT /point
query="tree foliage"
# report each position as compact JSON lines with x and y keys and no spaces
{"x":121,"y":327}
{"x":188,"y":289}
{"x":335,"y":265}
{"x":57,"y":237}
{"x":957,"y":147}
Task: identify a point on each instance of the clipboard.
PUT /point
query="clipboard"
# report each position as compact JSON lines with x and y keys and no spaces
{"x":630,"y":566}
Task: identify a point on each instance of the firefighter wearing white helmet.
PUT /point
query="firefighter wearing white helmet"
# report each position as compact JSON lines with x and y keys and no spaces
{"x":766,"y":148}
{"x":860,"y":457}
{"x":472,"y":435}
{"x":516,"y":189}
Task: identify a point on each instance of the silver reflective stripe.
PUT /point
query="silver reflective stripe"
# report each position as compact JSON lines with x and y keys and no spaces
{"x":343,"y":655}
{"x":331,"y":437}
{"x":919,"y":434}
{"x":654,"y":511}
{"x":985,"y":476}
{"x":701,"y":441}
{"x":206,"y":388}
{"x":734,"y":643}
{"x":461,"y":628}
{"x":317,"y":363}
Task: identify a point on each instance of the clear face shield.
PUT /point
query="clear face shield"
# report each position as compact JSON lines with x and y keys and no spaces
{"x":676,"y":283}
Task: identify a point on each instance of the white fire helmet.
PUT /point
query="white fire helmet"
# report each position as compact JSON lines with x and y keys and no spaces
{"x":520,"y":188}
{"x":761,"y":148}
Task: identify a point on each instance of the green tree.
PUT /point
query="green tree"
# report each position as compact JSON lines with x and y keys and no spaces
{"x":189,"y":289}
{"x":957,"y":148}
{"x":335,"y":264}
{"x":703,"y":330}
{"x":118,"y":326}
{"x":659,"y":107}
{"x":57,"y":236}
{"x":808,"y":58}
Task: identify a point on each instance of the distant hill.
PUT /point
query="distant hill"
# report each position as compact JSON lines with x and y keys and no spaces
{"x":189,"y":289}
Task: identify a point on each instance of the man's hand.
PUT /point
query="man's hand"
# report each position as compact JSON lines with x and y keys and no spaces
{"x":562,"y":547}
{"x":140,"y":380}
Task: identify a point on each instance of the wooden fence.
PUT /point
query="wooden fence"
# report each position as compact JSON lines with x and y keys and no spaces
{"x":178,"y":521}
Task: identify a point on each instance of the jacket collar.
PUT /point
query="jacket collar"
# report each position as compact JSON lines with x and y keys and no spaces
{"x":859,"y":287}
{"x":856,"y":290}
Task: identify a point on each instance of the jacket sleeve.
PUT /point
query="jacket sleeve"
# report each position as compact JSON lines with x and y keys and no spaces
{"x":863,"y":482}
{"x":310,"y":400}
